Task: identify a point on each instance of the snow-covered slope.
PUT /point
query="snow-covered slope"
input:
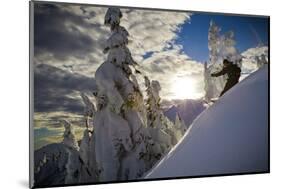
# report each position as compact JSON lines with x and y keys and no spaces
{"x":229,"y":137}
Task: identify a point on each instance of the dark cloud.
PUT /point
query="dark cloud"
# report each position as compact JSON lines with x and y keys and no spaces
{"x":56,"y":31}
{"x":52,"y":87}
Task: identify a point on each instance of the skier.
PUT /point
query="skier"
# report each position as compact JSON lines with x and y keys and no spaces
{"x":233,"y":72}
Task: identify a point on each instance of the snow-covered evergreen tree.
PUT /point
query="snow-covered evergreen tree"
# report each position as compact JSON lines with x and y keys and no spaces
{"x":88,"y":171}
{"x":163,"y":132}
{"x":89,"y":109}
{"x":214,"y":42}
{"x":58,"y":163}
{"x":68,"y":136}
{"x":129,"y":134}
{"x":221,"y":46}
{"x":120,"y":121}
{"x":261,"y":60}
{"x":209,"y":93}
{"x":180,"y":127}
{"x":130,"y":137}
{"x":155,"y":122}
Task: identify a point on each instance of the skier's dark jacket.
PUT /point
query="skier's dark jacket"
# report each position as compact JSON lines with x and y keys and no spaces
{"x":232,"y":70}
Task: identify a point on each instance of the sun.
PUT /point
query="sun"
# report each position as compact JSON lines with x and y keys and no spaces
{"x":184,"y":88}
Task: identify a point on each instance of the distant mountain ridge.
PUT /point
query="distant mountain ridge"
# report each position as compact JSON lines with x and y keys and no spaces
{"x":188,"y":110}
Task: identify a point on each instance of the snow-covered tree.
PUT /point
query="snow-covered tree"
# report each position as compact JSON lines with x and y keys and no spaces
{"x":208,"y":83}
{"x":89,"y":170}
{"x":261,"y":60}
{"x":129,"y":134}
{"x":120,"y":121}
{"x":221,"y":46}
{"x":214,"y":42}
{"x":163,"y":132}
{"x":89,"y":109}
{"x":179,"y":127}
{"x":68,"y":136}
{"x":253,"y":59}
{"x":155,"y":120}
{"x":58,"y":163}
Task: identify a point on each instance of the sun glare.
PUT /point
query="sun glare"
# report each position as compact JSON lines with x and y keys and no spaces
{"x":184,"y":88}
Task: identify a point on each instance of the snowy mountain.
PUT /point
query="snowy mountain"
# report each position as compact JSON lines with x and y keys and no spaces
{"x":229,"y":137}
{"x":188,"y":110}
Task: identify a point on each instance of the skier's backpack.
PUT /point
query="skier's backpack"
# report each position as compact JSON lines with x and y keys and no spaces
{"x":234,"y":72}
{"x":237,"y":70}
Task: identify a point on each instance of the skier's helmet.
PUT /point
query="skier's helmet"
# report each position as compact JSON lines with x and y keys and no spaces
{"x":226,"y":62}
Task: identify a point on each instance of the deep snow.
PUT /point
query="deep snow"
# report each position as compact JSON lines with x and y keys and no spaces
{"x":229,"y":137}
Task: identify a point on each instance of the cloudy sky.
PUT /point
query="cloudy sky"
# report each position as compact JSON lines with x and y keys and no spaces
{"x":168,"y":46}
